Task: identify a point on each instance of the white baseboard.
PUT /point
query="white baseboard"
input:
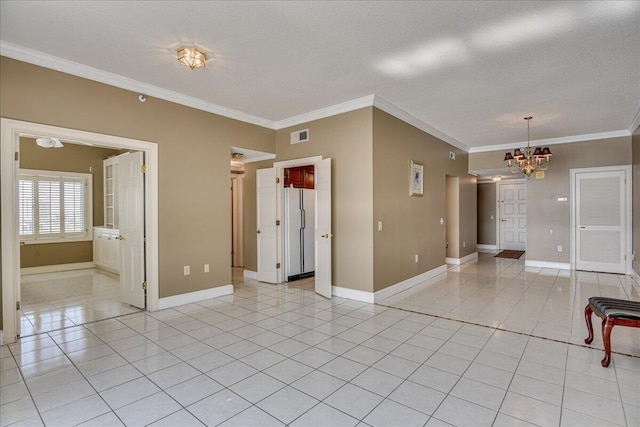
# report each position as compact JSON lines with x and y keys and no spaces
{"x":547,"y":264}
{"x":353,"y":294}
{"x":409,"y":283}
{"x":466,"y":258}
{"x":56,"y":268}
{"x":196,"y":296}
{"x":1,"y":339}
{"x":250,"y":274}
{"x":483,"y":247}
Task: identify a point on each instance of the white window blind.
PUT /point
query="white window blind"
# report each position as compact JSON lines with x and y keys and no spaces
{"x":54,"y":206}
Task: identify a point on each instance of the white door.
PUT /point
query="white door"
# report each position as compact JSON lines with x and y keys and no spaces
{"x":266,"y":225}
{"x":323,"y":235}
{"x":600,"y":208}
{"x":513,"y":216}
{"x":131,"y":227}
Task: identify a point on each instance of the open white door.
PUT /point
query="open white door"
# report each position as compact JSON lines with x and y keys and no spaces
{"x":601,"y":211}
{"x":323,"y":235}
{"x":131,"y":226}
{"x":513,"y":216}
{"x":266,"y":225}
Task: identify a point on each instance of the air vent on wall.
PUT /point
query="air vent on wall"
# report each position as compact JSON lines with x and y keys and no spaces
{"x":300,"y":136}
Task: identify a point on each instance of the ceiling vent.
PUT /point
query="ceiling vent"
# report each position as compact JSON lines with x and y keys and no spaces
{"x":300,"y":136}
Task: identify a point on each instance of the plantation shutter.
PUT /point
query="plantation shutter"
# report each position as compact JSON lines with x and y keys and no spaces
{"x":74,"y":207}
{"x":49,"y":214}
{"x":27,"y":207}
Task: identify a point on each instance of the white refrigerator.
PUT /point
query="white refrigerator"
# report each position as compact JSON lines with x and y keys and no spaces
{"x":299,"y":232}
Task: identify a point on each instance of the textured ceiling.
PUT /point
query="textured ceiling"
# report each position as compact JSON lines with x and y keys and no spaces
{"x":471,"y":70}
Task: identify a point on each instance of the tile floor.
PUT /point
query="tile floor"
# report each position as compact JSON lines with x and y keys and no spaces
{"x":52,"y":301}
{"x":280,"y":355}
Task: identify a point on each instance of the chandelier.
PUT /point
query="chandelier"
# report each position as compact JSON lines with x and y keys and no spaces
{"x":526,"y":162}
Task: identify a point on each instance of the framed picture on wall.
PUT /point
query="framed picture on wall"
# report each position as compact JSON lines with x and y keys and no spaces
{"x":416,"y":177}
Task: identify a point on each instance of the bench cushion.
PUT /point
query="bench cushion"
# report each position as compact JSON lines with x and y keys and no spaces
{"x":617,"y":308}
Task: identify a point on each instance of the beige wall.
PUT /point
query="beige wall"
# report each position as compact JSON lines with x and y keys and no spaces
{"x":346,"y":139}
{"x":543,"y":209}
{"x":487,"y":208}
{"x":636,"y":198}
{"x":194,"y":152}
{"x":452,"y":220}
{"x":70,"y":158}
{"x":411,"y":225}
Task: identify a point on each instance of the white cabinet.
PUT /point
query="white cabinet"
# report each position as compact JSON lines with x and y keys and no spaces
{"x":106,"y":249}
{"x":110,"y":171}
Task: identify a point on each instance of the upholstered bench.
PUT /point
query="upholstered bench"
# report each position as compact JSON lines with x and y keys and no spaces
{"x":613,"y":312}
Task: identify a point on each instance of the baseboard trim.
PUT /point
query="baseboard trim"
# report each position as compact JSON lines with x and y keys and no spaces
{"x":487,"y":247}
{"x":353,"y":294}
{"x":1,"y":338}
{"x":56,"y":268}
{"x":196,"y":296}
{"x":409,"y":283}
{"x":466,"y":258}
{"x":250,"y":274}
{"x":547,"y":264}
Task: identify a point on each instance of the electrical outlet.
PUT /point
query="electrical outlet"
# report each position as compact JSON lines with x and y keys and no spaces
{"x":206,"y":268}
{"x":464,"y":244}
{"x":379,"y":225}
{"x":559,"y":248}
{"x":187,"y":270}
{"x":416,"y":257}
{"x":441,"y":221}
{"x":550,"y":231}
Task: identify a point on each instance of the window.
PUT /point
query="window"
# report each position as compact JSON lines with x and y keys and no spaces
{"x":54,"y":205}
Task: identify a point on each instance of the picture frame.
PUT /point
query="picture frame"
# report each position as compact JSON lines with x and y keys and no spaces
{"x":416,"y":179}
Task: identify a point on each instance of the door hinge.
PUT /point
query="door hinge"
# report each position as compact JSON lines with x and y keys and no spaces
{"x":17,"y":156}
{"x":277,"y":222}
{"x":278,"y":265}
{"x":144,"y":285}
{"x":17,"y":305}
{"x":143,"y":168}
{"x":277,"y":180}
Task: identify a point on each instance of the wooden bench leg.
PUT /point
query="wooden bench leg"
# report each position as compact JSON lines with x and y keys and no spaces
{"x":607,"y":326}
{"x":587,"y":318}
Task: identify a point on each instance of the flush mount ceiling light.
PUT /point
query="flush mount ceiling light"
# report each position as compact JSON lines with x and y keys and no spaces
{"x":49,"y":142}
{"x":191,"y":57}
{"x":526,"y":162}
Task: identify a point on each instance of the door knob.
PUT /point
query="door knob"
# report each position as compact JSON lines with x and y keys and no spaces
{"x":326,"y":236}
{"x":582,"y":227}
{"x":120,"y":237}
{"x":258,"y":231}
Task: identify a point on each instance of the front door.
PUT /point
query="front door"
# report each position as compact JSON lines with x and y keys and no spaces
{"x":600,"y":209}
{"x":513,"y":216}
{"x":131,"y":227}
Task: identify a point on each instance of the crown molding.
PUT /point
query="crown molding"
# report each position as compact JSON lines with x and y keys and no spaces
{"x":553,"y":141}
{"x":399,"y":113}
{"x":635,"y":123}
{"x":322,"y":113}
{"x":49,"y":61}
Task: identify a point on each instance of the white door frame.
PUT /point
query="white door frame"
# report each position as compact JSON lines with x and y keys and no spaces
{"x":11,"y":131}
{"x":627,"y":169}
{"x":280,"y":167}
{"x":498,"y":184}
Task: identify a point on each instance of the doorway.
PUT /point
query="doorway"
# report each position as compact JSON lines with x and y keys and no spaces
{"x":512,"y":216}
{"x":601,"y":219}
{"x":271,"y":253}
{"x":12,"y":130}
